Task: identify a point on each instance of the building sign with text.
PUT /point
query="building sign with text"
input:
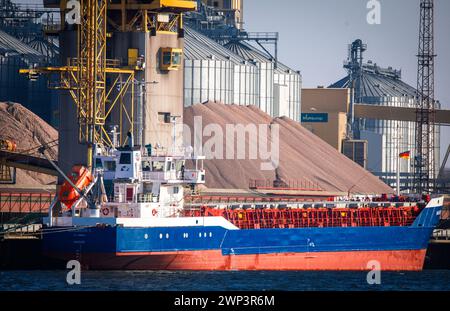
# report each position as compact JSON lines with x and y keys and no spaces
{"x":315,"y":117}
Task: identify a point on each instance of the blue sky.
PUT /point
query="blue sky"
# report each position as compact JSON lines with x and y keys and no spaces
{"x":314,"y":36}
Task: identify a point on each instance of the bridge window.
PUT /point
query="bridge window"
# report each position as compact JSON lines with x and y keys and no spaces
{"x":110,"y":166}
{"x":98,"y":163}
{"x":158,"y":166}
{"x":125,"y":158}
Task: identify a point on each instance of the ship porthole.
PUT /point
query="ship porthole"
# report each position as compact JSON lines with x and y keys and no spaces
{"x":204,"y":234}
{"x":146,"y":236}
{"x":160,"y":236}
{"x":187,"y":235}
{"x":167,"y":236}
{"x":210,"y":234}
{"x":200,"y":235}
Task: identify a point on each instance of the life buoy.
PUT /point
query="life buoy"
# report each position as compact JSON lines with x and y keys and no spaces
{"x":154,"y":212}
{"x":105,"y":212}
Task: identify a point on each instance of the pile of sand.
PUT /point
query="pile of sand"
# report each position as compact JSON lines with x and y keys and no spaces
{"x":303,"y":155}
{"x":28,"y":131}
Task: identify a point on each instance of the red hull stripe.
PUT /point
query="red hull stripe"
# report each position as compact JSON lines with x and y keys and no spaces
{"x":402,"y":260}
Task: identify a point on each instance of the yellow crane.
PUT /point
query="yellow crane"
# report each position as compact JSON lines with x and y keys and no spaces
{"x":85,"y":77}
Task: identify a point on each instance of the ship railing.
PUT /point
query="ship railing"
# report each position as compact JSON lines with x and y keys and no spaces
{"x":299,"y":185}
{"x":222,"y":202}
{"x":184,"y":152}
{"x":160,"y":176}
{"x":307,"y":218}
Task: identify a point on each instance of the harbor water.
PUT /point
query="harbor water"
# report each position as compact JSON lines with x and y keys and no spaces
{"x":55,"y":280}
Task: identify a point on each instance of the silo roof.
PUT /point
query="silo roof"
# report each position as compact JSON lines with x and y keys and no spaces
{"x":199,"y":47}
{"x":251,"y":53}
{"x":46,"y":48}
{"x":12,"y":46}
{"x":379,"y":82}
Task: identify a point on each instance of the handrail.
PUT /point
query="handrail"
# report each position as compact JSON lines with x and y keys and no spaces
{"x":297,"y":184}
{"x":311,"y":218}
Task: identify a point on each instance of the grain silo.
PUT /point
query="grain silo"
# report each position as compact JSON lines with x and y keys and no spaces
{"x":33,"y":94}
{"x":279,"y":86}
{"x":386,"y":138}
{"x":214,"y":73}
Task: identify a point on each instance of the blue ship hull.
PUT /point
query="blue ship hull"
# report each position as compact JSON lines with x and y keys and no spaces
{"x":217,"y":248}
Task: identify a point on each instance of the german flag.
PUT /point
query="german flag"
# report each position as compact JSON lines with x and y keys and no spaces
{"x":405,"y":155}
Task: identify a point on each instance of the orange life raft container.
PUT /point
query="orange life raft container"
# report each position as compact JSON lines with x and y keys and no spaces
{"x":80,"y":177}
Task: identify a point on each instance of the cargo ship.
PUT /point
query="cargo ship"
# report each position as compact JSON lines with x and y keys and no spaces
{"x":144,"y":223}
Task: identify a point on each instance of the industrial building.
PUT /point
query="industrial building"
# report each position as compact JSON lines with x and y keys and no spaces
{"x":274,"y":87}
{"x":231,"y":10}
{"x":239,"y":74}
{"x":324,"y":113}
{"x":374,"y":85}
{"x":35,"y":95}
{"x":279,"y":86}
{"x":370,"y":115}
{"x":217,"y":16}
{"x":214,"y":73}
{"x":23,"y":44}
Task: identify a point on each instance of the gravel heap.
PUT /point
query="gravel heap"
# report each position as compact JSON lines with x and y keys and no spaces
{"x":28,"y":131}
{"x":303,"y":156}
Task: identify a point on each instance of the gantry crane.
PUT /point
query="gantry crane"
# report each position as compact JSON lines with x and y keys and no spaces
{"x":85,"y":78}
